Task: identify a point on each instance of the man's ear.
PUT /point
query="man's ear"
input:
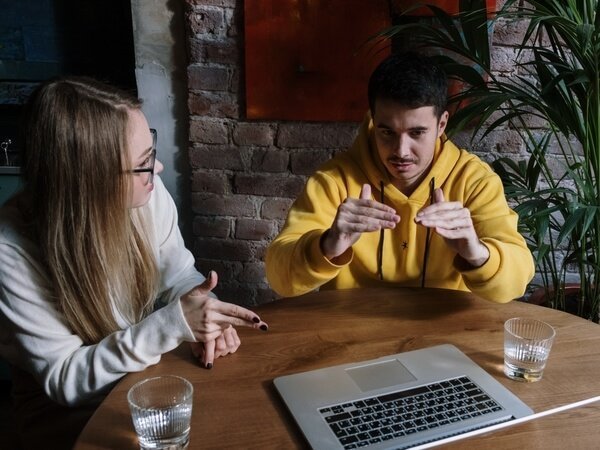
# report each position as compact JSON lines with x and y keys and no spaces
{"x":442,"y":123}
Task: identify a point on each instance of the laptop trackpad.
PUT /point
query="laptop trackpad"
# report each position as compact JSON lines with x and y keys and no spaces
{"x":380,"y":375}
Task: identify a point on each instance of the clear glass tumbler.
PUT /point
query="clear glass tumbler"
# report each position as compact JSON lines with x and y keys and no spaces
{"x":161,"y":410}
{"x":527,"y":344}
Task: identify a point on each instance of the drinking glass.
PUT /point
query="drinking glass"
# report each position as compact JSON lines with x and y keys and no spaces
{"x":527,"y":344}
{"x":161,"y":410}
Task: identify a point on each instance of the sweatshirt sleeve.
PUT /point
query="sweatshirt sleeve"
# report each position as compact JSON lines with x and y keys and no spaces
{"x":295,"y":263}
{"x":510,"y":266}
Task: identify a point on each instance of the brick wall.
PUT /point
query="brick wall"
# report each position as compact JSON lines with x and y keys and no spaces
{"x":247,"y":173}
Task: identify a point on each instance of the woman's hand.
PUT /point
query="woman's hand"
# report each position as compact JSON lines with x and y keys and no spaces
{"x":208,"y":318}
{"x":225,"y":344}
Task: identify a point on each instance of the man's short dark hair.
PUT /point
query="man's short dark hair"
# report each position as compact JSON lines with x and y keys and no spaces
{"x":410,"y":79}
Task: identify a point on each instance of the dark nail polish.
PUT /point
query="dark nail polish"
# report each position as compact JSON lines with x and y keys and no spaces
{"x":255,"y":319}
{"x":209,"y":365}
{"x":264,"y":327}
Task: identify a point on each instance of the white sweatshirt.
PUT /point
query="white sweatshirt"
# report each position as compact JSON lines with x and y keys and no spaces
{"x":35,"y":337}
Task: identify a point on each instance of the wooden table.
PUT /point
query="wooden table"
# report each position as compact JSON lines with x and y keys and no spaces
{"x":236,"y":405}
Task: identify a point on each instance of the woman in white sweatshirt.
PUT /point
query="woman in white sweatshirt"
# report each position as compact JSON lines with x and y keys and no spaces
{"x":85,"y":252}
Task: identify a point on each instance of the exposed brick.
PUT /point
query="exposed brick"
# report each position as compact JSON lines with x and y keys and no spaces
{"x":225,"y":270}
{"x":268,"y":185}
{"x":223,"y":52}
{"x":234,"y":83}
{"x":227,"y":249}
{"x":557,"y":166}
{"x":265,"y":295}
{"x":216,"y":104}
{"x":252,"y":272}
{"x":306,"y":162}
{"x":260,"y":250}
{"x":233,"y":19}
{"x":506,"y":60}
{"x":199,"y":103}
{"x":249,"y":133}
{"x":220,"y":205}
{"x":208,"y":78}
{"x":253,"y":229}
{"x":235,"y":293}
{"x":311,"y":135}
{"x":503,"y":59}
{"x":211,"y":226}
{"x":269,"y":160}
{"x":197,"y":51}
{"x":216,"y":157}
{"x":556,"y":144}
{"x":509,"y":32}
{"x":208,"y":131}
{"x":499,"y":141}
{"x":215,"y":182}
{"x":275,"y":208}
{"x":207,"y":20}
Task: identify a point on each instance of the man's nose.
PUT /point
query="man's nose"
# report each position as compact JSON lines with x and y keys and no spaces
{"x":403,"y":149}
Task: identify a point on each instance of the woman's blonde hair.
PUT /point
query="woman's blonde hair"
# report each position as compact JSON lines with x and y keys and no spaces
{"x":76,"y":163}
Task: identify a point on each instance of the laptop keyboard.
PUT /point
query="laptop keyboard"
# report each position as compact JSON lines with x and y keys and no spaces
{"x":377,"y":419}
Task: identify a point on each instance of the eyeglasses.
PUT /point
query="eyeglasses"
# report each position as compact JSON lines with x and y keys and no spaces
{"x":148,"y":165}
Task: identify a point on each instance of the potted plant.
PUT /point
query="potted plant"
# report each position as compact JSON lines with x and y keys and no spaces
{"x":556,"y":190}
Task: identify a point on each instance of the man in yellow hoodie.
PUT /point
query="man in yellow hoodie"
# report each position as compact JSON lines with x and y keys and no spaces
{"x":403,"y":206}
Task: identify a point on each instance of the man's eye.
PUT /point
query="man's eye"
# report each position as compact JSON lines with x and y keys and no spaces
{"x":417,"y":133}
{"x":387,"y":132}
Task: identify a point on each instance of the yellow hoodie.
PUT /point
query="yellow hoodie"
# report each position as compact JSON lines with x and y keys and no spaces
{"x":296,"y":265}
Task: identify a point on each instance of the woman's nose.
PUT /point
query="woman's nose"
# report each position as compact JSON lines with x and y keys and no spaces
{"x":158,"y":166}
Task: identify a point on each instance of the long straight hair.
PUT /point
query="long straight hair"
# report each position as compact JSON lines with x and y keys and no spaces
{"x":94,"y":246}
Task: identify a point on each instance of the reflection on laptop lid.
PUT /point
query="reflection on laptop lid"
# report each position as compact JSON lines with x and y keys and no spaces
{"x":398,"y":401}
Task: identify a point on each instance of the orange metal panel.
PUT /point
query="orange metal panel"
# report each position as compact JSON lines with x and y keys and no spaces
{"x":309,"y":59}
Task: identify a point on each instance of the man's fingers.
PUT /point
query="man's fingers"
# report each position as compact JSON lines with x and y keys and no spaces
{"x":365,"y":192}
{"x":438,"y":195}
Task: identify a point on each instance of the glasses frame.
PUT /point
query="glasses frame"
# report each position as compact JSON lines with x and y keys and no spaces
{"x":149,"y":170}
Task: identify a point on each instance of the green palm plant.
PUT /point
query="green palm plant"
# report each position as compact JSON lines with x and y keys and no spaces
{"x":556,"y":191}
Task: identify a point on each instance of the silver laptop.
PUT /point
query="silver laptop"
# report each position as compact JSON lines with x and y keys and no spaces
{"x":397,"y":401}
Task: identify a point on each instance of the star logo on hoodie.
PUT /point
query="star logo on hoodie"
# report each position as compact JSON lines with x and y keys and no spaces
{"x":404,"y":245}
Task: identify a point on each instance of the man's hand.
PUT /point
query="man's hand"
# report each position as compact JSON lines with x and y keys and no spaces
{"x":354,"y":217}
{"x":453,"y":222}
{"x":211,"y":321}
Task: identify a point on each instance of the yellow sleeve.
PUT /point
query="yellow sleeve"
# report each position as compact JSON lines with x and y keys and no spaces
{"x":294,"y":261}
{"x":510,"y":266}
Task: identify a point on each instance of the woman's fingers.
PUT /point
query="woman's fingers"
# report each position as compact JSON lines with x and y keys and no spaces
{"x":225,"y":343}
{"x":207,"y":285}
{"x":236,"y":315}
{"x":209,"y":353}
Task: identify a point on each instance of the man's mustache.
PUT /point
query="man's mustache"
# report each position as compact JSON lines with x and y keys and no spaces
{"x":401,"y":160}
